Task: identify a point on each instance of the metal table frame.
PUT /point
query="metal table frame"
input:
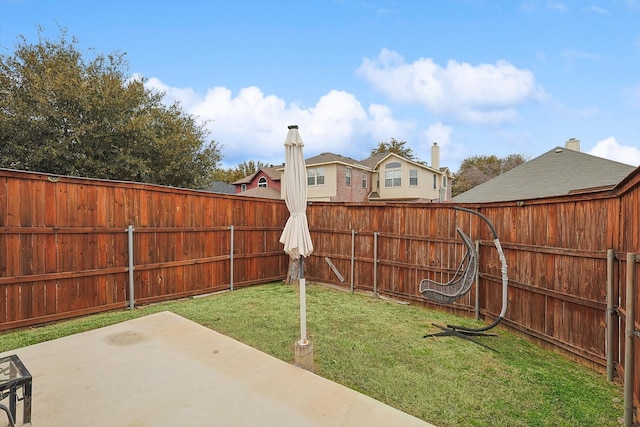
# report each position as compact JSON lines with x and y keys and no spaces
{"x":13,"y":376}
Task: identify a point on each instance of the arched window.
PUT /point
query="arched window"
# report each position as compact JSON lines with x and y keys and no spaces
{"x":262,"y":182}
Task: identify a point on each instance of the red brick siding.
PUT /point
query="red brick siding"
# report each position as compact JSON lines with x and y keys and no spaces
{"x":355,"y":192}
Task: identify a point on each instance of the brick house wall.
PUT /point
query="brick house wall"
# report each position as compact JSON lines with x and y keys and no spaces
{"x":354,"y":192}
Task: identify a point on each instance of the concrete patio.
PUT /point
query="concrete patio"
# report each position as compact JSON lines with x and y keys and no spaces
{"x":165,"y":370}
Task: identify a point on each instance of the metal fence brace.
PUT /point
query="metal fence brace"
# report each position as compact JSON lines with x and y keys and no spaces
{"x":333,"y":267}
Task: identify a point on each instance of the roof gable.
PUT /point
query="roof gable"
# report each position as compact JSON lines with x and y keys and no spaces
{"x":380,"y":158}
{"x":271,"y":172}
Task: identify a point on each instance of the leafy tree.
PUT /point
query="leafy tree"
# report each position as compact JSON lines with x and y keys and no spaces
{"x":248,"y":168}
{"x":240,"y":171}
{"x":65,"y":114}
{"x":394,"y":146}
{"x":478,"y":169}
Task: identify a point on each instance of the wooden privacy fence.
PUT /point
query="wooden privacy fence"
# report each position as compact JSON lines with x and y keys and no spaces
{"x":64,"y":245}
{"x":64,"y":251}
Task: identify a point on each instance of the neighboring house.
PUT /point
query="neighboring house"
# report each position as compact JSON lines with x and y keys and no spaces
{"x":263,"y":178}
{"x":400,"y":179}
{"x":558,"y":172}
{"x":387,"y":177}
{"x":335,"y":178}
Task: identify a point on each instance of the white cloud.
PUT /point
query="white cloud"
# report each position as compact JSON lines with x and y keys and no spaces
{"x":596,"y":9}
{"x":440,"y":133}
{"x":610,"y":149}
{"x":384,"y":126}
{"x":186,"y":97}
{"x":252,"y":126}
{"x":484,"y":93}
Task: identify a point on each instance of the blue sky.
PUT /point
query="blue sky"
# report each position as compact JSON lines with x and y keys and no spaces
{"x":479,"y":77}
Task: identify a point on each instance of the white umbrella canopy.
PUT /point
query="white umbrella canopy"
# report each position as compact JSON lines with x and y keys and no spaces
{"x":295,"y":236}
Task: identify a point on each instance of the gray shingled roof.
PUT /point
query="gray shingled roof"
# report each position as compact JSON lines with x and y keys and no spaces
{"x":372,"y":161}
{"x":332,"y":158}
{"x":262,"y":192}
{"x":555,"y":173}
{"x":221,"y":187}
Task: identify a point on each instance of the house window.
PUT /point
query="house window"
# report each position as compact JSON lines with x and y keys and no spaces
{"x":315,"y":176}
{"x":444,"y":181}
{"x":393,"y":174}
{"x":364,"y":180}
{"x":262,"y":182}
{"x":413,"y":177}
{"x":435,"y":182}
{"x":348,"y":177}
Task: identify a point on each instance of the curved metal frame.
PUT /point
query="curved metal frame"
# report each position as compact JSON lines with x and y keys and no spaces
{"x":462,"y":331}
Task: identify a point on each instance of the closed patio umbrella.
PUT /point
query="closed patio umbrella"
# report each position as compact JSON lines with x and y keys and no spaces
{"x":295,"y":236}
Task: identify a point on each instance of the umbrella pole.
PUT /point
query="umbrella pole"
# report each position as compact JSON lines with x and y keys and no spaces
{"x":303,"y":304}
{"x":303,"y":348}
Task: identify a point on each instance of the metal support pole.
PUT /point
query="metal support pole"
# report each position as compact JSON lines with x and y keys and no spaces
{"x":131,"y":267}
{"x":303,"y":305}
{"x":477,"y":284}
{"x":231,"y":260}
{"x":611,"y":256}
{"x":629,"y":321}
{"x":353,"y":255}
{"x":375,"y":264}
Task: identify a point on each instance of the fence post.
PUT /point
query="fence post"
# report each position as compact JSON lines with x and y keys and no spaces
{"x":611,"y":255}
{"x":630,"y":319}
{"x":353,"y":255}
{"x":231,"y":260}
{"x":477,"y":284}
{"x":131,"y":267}
{"x":375,"y":264}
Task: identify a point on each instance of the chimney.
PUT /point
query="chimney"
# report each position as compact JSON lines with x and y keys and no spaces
{"x":572,"y":144}
{"x":435,"y":156}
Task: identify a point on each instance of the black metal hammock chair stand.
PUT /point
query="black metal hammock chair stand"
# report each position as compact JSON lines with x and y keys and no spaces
{"x":460,"y":284}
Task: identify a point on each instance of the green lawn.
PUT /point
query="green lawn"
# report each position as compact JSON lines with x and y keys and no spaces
{"x":377,"y":347}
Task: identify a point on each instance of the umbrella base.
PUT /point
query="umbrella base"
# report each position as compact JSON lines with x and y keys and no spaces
{"x":304,"y":356}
